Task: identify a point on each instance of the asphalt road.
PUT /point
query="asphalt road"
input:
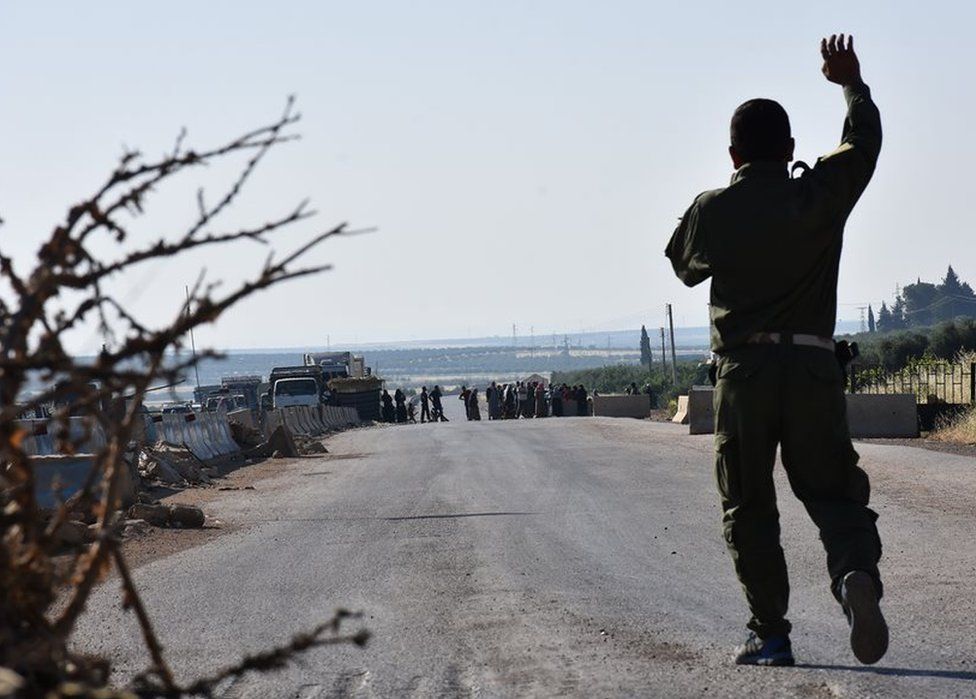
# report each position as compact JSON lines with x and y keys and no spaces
{"x":576,"y":556}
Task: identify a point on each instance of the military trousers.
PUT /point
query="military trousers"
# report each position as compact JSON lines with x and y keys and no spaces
{"x":792,"y":397}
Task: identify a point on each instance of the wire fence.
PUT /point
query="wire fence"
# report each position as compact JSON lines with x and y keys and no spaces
{"x":930,"y":382}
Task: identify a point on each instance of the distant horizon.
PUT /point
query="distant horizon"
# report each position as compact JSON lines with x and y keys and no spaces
{"x":541,"y":340}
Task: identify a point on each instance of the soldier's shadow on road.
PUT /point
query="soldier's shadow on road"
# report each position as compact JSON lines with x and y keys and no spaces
{"x":895,"y":671}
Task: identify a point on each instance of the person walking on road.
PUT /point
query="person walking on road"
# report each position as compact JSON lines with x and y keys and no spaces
{"x":424,"y":405}
{"x":493,"y":396}
{"x":556,"y":400}
{"x":438,"y":406}
{"x":582,"y":407}
{"x":771,"y":246}
{"x":401,"y":408}
{"x":387,"y":411}
{"x":540,"y":401}
{"x":474,"y":410}
{"x":523,"y":402}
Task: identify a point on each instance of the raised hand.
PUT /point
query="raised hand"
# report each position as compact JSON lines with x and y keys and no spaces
{"x":840,"y":62}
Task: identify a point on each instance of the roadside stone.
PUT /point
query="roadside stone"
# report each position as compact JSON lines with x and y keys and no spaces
{"x":186,"y":516}
{"x":282,"y":441}
{"x":155,"y":470}
{"x":179,"y":459}
{"x":156,"y":515}
{"x":72,"y":533}
{"x":246,"y":437}
{"x":314,"y":447}
{"x":135,"y":528}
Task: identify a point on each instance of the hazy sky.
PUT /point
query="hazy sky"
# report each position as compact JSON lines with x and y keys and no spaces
{"x":525,"y":162}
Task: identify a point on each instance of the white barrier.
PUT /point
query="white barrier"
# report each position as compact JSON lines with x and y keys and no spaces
{"x":352,"y":416}
{"x":290,"y":418}
{"x":196,"y":439}
{"x":223,"y":424}
{"x":152,"y":428}
{"x":681,"y":416}
{"x":44,"y":434}
{"x":331,"y":413}
{"x":211,"y":431}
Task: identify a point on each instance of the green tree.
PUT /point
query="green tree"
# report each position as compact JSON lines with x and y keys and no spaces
{"x":871,"y":325}
{"x":647,"y":357}
{"x":898,"y":320}
{"x":884,"y":319}
{"x":923,"y":303}
{"x":957,"y":297}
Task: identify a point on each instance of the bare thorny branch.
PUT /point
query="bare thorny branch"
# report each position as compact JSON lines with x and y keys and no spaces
{"x":108,"y":391}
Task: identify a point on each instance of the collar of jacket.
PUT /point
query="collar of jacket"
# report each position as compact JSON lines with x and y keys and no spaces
{"x":776,"y":171}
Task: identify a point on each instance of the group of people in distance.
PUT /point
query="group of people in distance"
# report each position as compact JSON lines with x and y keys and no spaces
{"x":510,"y":401}
{"x":397,"y":408}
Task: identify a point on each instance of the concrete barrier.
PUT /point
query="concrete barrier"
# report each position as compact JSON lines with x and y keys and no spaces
{"x":334,"y":419}
{"x":272,"y":421}
{"x":151,"y":431}
{"x":701,"y":410}
{"x":36,"y":441}
{"x":218,"y":440}
{"x":681,"y":416}
{"x":868,"y":416}
{"x":894,"y":416}
{"x":196,"y":439}
{"x":43,"y":436}
{"x":290,"y":416}
{"x":319,"y":422}
{"x":244,"y":417}
{"x":57,"y":478}
{"x":86,"y":433}
{"x":223,"y":426}
{"x":310,"y":418}
{"x":618,"y":405}
{"x":172,"y":429}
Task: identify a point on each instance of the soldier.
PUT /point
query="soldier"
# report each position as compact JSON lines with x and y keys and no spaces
{"x":435,"y":400}
{"x":424,"y":405}
{"x":772,"y":246}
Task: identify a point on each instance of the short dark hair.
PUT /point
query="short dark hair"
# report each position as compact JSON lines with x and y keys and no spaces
{"x":760,"y":130}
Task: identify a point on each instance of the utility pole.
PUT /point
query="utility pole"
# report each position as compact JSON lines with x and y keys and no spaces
{"x":674,"y":359}
{"x":664,"y":355}
{"x":863,"y":310}
{"x":193,"y":345}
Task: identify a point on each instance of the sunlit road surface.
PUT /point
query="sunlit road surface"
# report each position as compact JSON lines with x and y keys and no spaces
{"x":576,"y":557}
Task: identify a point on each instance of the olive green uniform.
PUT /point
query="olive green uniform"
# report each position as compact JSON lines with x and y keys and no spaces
{"x":771,"y":246}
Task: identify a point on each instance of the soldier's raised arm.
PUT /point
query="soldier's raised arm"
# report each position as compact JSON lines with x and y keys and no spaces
{"x":852,"y":164}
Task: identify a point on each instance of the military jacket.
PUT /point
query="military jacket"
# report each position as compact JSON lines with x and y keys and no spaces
{"x":771,"y":244}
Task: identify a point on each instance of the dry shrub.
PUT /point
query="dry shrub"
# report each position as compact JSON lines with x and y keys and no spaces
{"x":961,"y":429}
{"x":63,"y":294}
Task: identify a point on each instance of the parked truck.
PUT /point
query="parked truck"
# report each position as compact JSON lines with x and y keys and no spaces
{"x":337,"y":365}
{"x":297,"y":385}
